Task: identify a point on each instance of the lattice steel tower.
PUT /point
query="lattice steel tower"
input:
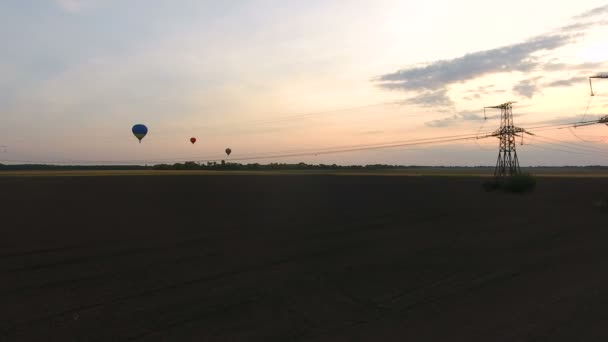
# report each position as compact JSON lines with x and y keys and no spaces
{"x":507,"y":163}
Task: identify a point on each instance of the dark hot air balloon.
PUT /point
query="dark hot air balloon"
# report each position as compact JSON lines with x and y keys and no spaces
{"x":228,"y":151}
{"x":139,"y":131}
{"x":193,"y":140}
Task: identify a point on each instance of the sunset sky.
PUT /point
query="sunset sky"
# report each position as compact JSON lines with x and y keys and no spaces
{"x":271,"y":76}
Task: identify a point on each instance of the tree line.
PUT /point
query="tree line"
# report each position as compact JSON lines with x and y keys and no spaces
{"x":226,"y":166}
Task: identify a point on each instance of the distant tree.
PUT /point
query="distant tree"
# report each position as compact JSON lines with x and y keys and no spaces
{"x":190,"y":165}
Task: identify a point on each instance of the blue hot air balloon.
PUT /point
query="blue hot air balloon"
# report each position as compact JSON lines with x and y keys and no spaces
{"x":139,"y":131}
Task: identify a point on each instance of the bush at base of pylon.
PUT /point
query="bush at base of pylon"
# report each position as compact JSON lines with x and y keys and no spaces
{"x":520,"y":183}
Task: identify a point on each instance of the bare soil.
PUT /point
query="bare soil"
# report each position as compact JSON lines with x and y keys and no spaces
{"x":301,"y":258}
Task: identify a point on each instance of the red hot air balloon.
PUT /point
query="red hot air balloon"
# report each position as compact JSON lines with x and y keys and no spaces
{"x":193,"y":140}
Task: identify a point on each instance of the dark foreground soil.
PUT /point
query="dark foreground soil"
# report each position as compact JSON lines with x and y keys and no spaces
{"x":301,"y":258}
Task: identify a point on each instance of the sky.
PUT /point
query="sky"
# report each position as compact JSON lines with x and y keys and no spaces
{"x":277,"y":77}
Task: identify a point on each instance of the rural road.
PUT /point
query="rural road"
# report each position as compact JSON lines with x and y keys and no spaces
{"x":301,"y":258}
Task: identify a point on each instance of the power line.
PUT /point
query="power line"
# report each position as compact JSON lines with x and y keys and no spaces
{"x":587,"y":108}
{"x":564,"y":125}
{"x":581,"y":139}
{"x":589,"y":148}
{"x":296,"y":153}
{"x":358,"y":149}
{"x":553,"y":149}
{"x":352,"y":148}
{"x":570,"y":149}
{"x":485,"y":119}
{"x":317,"y":151}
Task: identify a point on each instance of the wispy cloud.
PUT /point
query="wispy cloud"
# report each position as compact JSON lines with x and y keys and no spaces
{"x":550,"y":67}
{"x":438,"y":98}
{"x":595,"y":12}
{"x":528,"y":87}
{"x":456,"y":119}
{"x":435,"y":78}
{"x":472,"y":97}
{"x":567,"y":82}
{"x":581,"y":25}
{"x":436,"y":75}
{"x":474,"y":94}
{"x":482,"y":89}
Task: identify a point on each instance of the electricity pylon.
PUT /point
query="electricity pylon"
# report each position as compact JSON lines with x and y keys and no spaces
{"x":600,"y":75}
{"x":507,"y":163}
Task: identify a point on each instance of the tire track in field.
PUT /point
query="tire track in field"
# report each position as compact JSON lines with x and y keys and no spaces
{"x":102,"y":256}
{"x":455,"y":285}
{"x":464,"y":289}
{"x":56,"y":249}
{"x":186,"y":241}
{"x":131,"y":251}
{"x":203,"y":279}
{"x":92,"y":244}
{"x":99,"y":276}
{"x":449,"y":287}
{"x":193,"y":318}
{"x":381,"y":310}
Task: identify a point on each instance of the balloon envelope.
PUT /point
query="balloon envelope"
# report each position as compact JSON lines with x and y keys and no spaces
{"x":193,"y":140}
{"x":139,"y":131}
{"x":228,"y":151}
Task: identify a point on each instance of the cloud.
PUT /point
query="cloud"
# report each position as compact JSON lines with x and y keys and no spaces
{"x":581,"y":26}
{"x":557,"y":120}
{"x":550,"y":67}
{"x":567,"y":82}
{"x":576,"y":27}
{"x":438,"y":98}
{"x":481,"y":89}
{"x":455,"y":119}
{"x":436,"y":75}
{"x":74,"y":6}
{"x":433,"y":79}
{"x":475,"y":94}
{"x":593,"y":12}
{"x":527,"y":88}
{"x":586,"y":20}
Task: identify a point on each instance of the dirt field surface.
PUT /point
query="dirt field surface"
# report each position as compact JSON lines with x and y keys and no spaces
{"x":301,"y":258}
